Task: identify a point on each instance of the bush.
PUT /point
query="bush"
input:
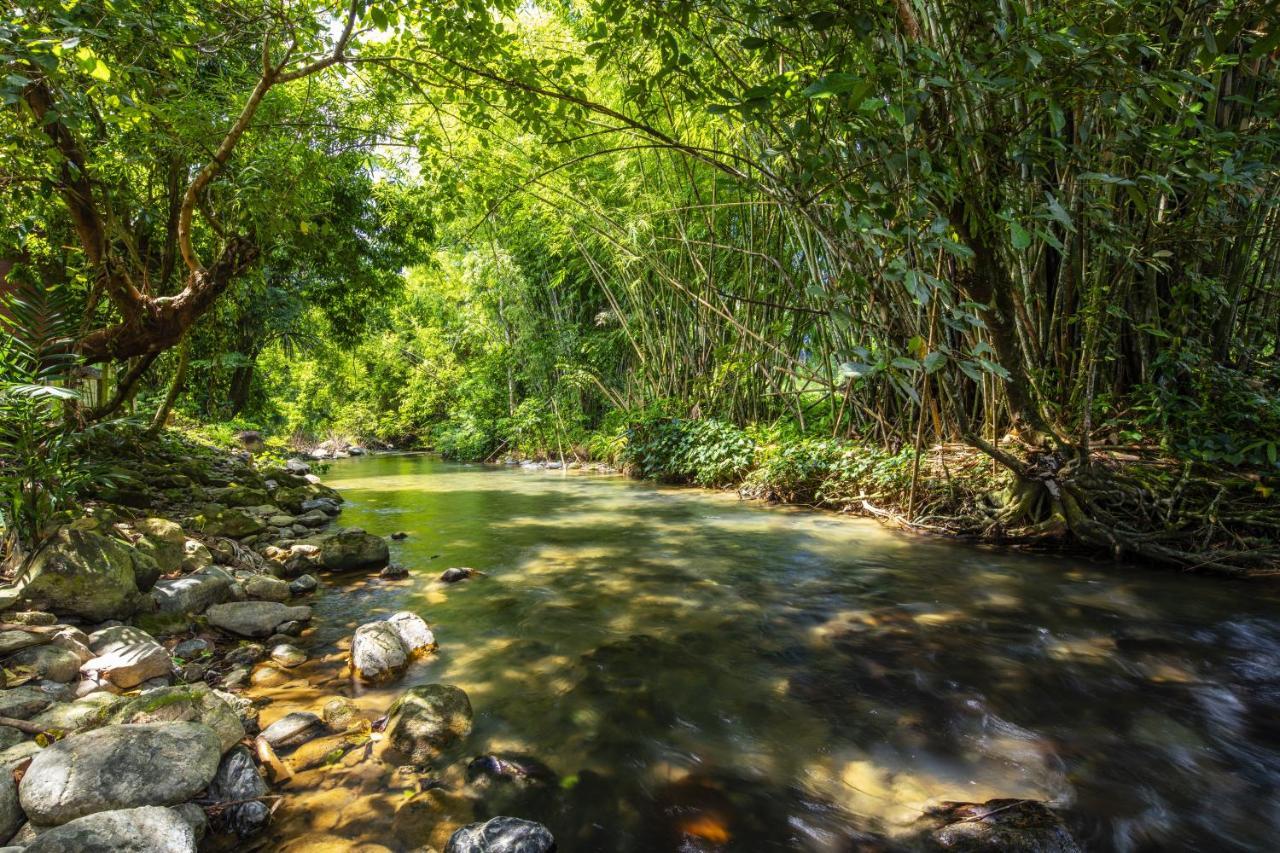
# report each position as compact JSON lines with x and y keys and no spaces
{"x":704,"y":452}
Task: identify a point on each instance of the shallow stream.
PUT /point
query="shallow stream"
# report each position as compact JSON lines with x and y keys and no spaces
{"x":681,"y":667}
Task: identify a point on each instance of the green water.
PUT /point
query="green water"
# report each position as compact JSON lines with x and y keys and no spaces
{"x":695,"y":670}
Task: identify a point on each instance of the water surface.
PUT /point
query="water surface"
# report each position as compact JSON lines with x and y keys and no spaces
{"x":689,"y":669}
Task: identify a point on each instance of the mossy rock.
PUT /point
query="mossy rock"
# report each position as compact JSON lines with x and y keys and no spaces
{"x":194,"y":703}
{"x":237,"y":495}
{"x":84,"y":573}
{"x":218,"y":520}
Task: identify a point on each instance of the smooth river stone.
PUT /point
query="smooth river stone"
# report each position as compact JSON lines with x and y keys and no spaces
{"x":119,"y":767}
{"x":502,"y":835}
{"x":150,"y":829}
{"x":254,"y":618}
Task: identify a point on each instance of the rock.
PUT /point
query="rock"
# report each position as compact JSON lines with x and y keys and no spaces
{"x":502,"y":835}
{"x":292,"y":628}
{"x":297,"y":466}
{"x":191,"y":649}
{"x":996,"y":826}
{"x":399,"y":534}
{"x":117,"y":636}
{"x":269,"y":675}
{"x":377,"y":653}
{"x":194,"y":817}
{"x":86,"y":574}
{"x":126,"y":657}
{"x":280,"y":521}
{"x":254,"y":618}
{"x":457,"y":574}
{"x":184,"y":703}
{"x":193,"y":593}
{"x":302,"y":556}
{"x":239,"y":496}
{"x":340,"y":713}
{"x":243,"y":707}
{"x":264,"y":588}
{"x":9,"y":736}
{"x":293,"y":730}
{"x":51,"y":662}
{"x":428,"y":719}
{"x":23,"y":703}
{"x":73,"y":640}
{"x":352,"y":549}
{"x":29,"y":617}
{"x":412,"y":631}
{"x":314,"y":518}
{"x":329,"y":506}
{"x":237,"y":676}
{"x":245,"y":654}
{"x":166,"y":543}
{"x":87,"y":712}
{"x":238,"y":780}
{"x":303,"y":584}
{"x":12,"y":641}
{"x":11,"y":816}
{"x":218,"y":520}
{"x":150,"y":829}
{"x":393,"y":571}
{"x":119,"y":767}
{"x":16,"y":755}
{"x":193,"y":672}
{"x":288,"y":655}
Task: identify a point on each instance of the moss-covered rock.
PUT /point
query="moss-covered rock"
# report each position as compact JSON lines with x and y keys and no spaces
{"x":171,"y":548}
{"x":219,"y":520}
{"x":238,"y":495}
{"x":84,"y":573}
{"x":184,"y":703}
{"x":427,"y":719}
{"x":351,"y":549}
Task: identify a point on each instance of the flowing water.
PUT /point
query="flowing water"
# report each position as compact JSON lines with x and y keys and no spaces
{"x":678,"y":667}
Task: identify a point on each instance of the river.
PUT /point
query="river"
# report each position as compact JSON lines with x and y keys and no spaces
{"x":681,"y":664}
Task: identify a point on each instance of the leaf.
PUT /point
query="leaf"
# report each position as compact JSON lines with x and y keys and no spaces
{"x":1021,"y":239}
{"x":837,"y":83}
{"x":856,"y":369}
{"x":934,"y":361}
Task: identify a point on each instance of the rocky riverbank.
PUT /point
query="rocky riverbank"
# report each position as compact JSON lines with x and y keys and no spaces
{"x":132,"y":647}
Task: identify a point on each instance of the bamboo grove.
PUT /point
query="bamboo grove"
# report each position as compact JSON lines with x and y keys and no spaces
{"x":1043,"y":231}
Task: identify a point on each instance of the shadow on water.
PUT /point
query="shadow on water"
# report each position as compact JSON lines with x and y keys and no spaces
{"x":683,"y":671}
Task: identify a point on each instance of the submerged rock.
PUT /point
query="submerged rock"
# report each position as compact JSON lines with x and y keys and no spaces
{"x":150,"y":829}
{"x":236,"y":781}
{"x":460,"y":573}
{"x":1000,"y":826}
{"x":427,"y":719}
{"x":293,"y":730}
{"x":505,"y":834}
{"x":119,"y":767}
{"x":288,"y":655}
{"x":340,"y":713}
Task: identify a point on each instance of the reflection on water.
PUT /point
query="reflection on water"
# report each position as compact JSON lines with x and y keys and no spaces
{"x":660,"y":664}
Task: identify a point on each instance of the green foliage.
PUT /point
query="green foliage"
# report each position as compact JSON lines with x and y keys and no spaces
{"x":704,"y":452}
{"x":42,"y":463}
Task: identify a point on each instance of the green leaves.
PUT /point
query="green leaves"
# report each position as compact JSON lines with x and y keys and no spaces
{"x":838,"y":83}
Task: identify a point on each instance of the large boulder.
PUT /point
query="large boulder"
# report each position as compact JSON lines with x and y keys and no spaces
{"x":193,"y":593}
{"x":997,"y":826}
{"x":502,"y":835}
{"x":166,"y":543}
{"x":254,"y":618}
{"x":84,"y":573}
{"x":184,"y":703}
{"x":427,"y":719}
{"x":119,"y":767}
{"x":237,"y":781}
{"x":150,"y":829}
{"x":377,"y":653}
{"x":352,"y":548}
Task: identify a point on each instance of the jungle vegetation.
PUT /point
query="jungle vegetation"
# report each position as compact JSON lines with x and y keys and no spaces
{"x":1000,"y":269}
